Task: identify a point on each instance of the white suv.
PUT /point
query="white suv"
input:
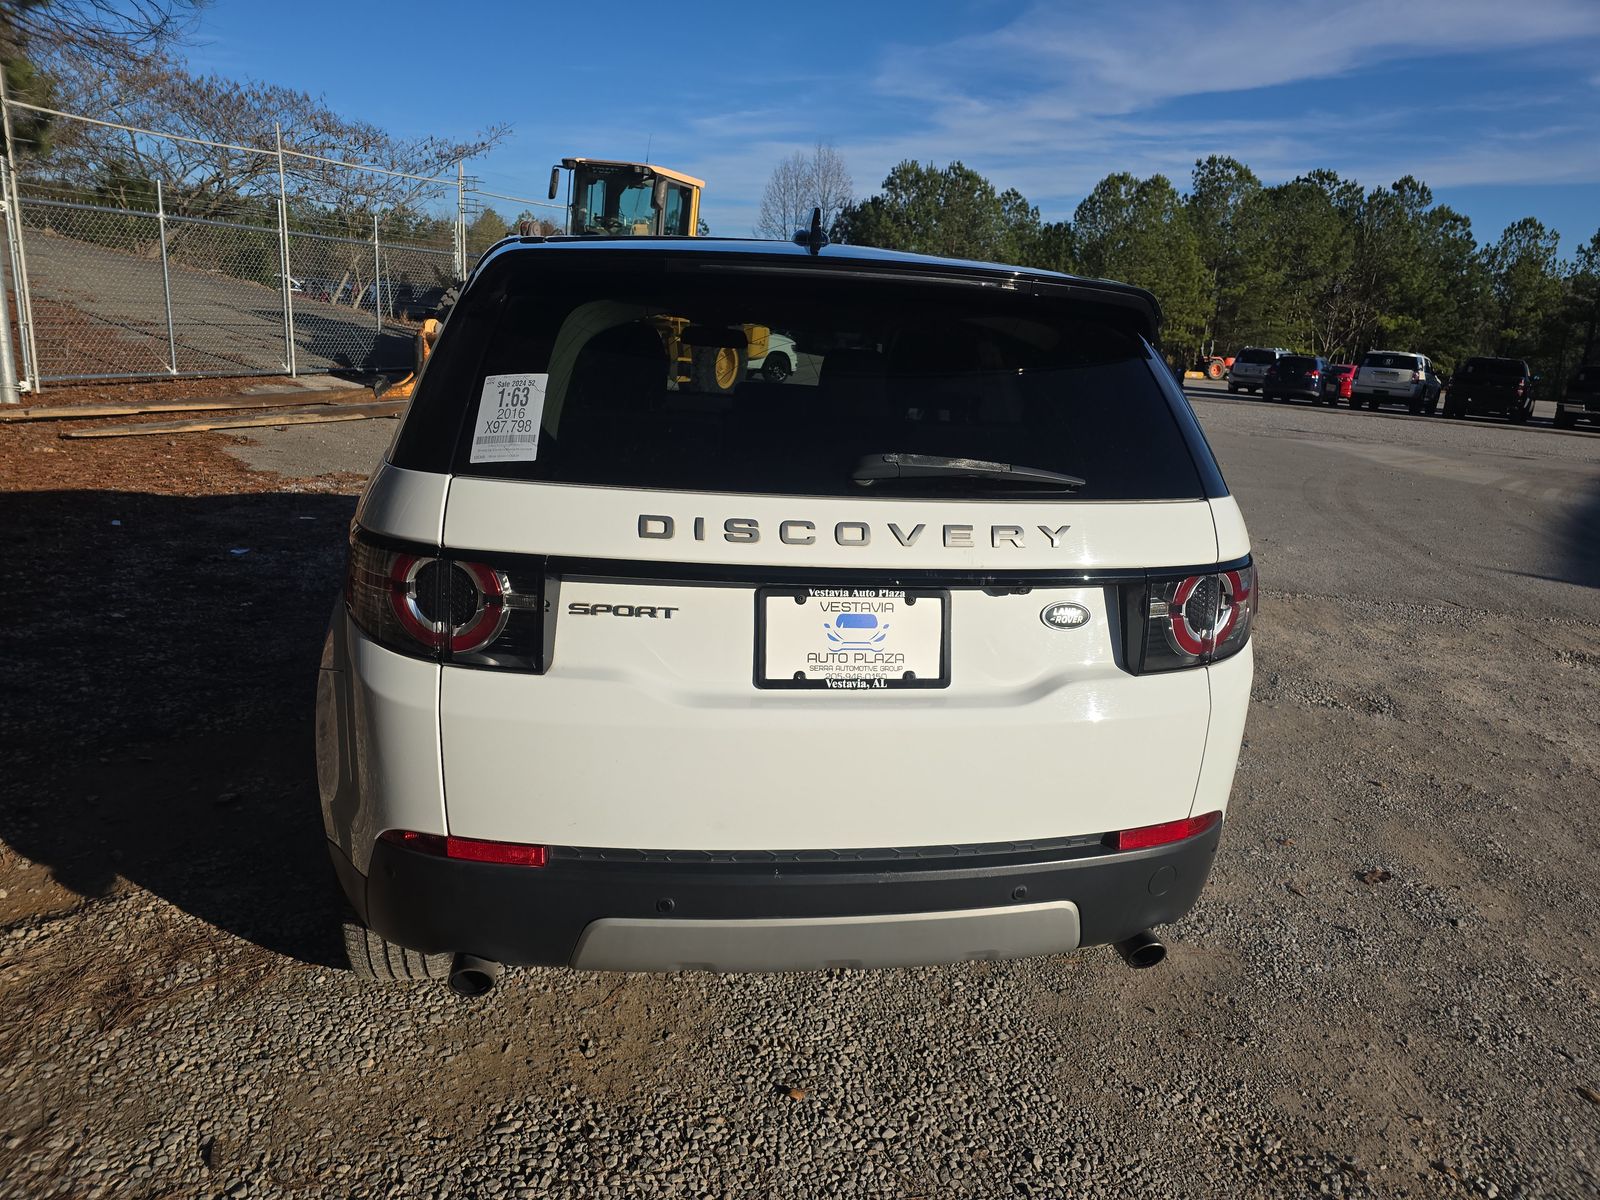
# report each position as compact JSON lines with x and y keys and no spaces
{"x":1250,"y":366}
{"x":939,"y":651}
{"x":1396,"y":377}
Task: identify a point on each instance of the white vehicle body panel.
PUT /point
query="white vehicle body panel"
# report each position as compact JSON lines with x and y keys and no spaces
{"x":1233,"y":539}
{"x":649,"y":733}
{"x":404,"y":504}
{"x":378,"y":762}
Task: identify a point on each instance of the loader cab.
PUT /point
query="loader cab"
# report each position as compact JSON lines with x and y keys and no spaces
{"x":627,"y":199}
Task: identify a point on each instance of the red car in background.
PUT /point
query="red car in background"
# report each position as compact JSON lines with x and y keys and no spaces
{"x":1336,"y":380}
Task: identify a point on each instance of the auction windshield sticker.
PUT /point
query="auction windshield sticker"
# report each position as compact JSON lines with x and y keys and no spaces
{"x":509,"y":412}
{"x":853,"y":638}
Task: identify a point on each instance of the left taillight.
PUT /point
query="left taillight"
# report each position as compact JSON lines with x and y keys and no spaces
{"x":431,"y":604}
{"x":508,"y":854}
{"x":1177,"y":621}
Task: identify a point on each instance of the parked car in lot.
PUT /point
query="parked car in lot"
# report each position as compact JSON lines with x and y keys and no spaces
{"x":1396,"y":377}
{"x":1249,"y":370}
{"x":1336,"y":381}
{"x":1581,"y":400}
{"x":1503,"y":386}
{"x":579,"y":703}
{"x":1294,"y":377}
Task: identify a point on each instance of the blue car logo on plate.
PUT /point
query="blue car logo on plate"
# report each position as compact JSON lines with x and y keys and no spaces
{"x":855,"y":631}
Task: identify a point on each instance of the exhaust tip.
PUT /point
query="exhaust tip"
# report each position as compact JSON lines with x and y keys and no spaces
{"x":1142,"y":951}
{"x":471,"y":976}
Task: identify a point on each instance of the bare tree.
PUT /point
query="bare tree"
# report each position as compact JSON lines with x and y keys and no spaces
{"x":103,"y":30}
{"x":800,"y":183}
{"x":154,"y":91}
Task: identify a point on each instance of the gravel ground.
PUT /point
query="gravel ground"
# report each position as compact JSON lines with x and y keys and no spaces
{"x":1389,"y":989}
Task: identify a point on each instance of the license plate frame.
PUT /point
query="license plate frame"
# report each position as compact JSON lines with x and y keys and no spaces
{"x":850,"y":675}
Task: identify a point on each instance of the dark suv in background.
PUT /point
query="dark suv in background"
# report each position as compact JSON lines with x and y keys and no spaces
{"x":1582,"y":398}
{"x":1491,"y":385}
{"x":1295,"y":377}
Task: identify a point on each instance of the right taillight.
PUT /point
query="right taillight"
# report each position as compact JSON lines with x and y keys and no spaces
{"x":429,"y":604}
{"x":1147,"y":837}
{"x":1177,"y":621}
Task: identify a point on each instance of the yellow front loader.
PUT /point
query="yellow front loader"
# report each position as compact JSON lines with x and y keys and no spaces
{"x":608,"y":197}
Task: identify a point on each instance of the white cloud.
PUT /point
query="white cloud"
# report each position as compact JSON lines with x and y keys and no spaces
{"x":1063,"y":94}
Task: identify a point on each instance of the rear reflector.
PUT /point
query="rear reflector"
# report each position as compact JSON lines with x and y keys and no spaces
{"x":513,"y":854}
{"x":1165,"y":834}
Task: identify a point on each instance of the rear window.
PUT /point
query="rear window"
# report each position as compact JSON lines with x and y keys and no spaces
{"x":1256,"y":357}
{"x":642,"y":378}
{"x":1393,"y":362}
{"x":1296,"y":362}
{"x":1494,"y":368}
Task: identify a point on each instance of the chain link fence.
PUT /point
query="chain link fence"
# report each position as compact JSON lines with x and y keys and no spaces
{"x":106,"y":283}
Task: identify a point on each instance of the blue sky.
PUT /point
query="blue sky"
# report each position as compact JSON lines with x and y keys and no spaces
{"x":1495,"y":105}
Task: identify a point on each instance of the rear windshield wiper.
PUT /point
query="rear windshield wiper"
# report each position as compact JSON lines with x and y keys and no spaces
{"x":873,"y":468}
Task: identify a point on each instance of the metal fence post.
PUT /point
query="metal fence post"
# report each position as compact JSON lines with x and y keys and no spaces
{"x":11,"y":200}
{"x":377,"y":285}
{"x":283,"y":258}
{"x":8,"y":364}
{"x":166,"y":277}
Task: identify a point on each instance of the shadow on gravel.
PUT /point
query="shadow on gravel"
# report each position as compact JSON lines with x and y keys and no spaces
{"x":1578,"y":543}
{"x":159,"y":665}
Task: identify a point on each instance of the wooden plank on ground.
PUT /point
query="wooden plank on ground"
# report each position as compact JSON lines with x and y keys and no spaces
{"x":83,"y":412}
{"x":308,"y":416}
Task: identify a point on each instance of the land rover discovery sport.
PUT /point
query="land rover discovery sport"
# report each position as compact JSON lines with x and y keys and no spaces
{"x":936,"y":648}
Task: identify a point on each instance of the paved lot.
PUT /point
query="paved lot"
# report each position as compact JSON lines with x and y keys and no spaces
{"x":1390,"y":989}
{"x":100,"y":311}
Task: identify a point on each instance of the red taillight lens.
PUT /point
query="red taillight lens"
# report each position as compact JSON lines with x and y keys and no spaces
{"x":511,"y":854}
{"x":1272,"y":372}
{"x":1146,"y":836}
{"x":428,"y":605}
{"x":1188,"y":620}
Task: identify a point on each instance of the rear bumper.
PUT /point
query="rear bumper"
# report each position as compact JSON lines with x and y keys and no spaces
{"x":1293,"y":390}
{"x":1495,"y":402}
{"x":1398,"y":394}
{"x":650,"y":912}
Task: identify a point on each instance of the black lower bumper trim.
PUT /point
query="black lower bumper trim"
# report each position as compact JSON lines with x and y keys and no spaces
{"x":535,"y":915}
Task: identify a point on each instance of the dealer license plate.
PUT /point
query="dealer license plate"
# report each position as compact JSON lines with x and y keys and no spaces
{"x":851,"y":638}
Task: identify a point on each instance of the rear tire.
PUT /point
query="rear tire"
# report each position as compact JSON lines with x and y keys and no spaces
{"x":1520,"y":416}
{"x":1233,"y":389}
{"x":376,"y":958}
{"x":1564,"y":419}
